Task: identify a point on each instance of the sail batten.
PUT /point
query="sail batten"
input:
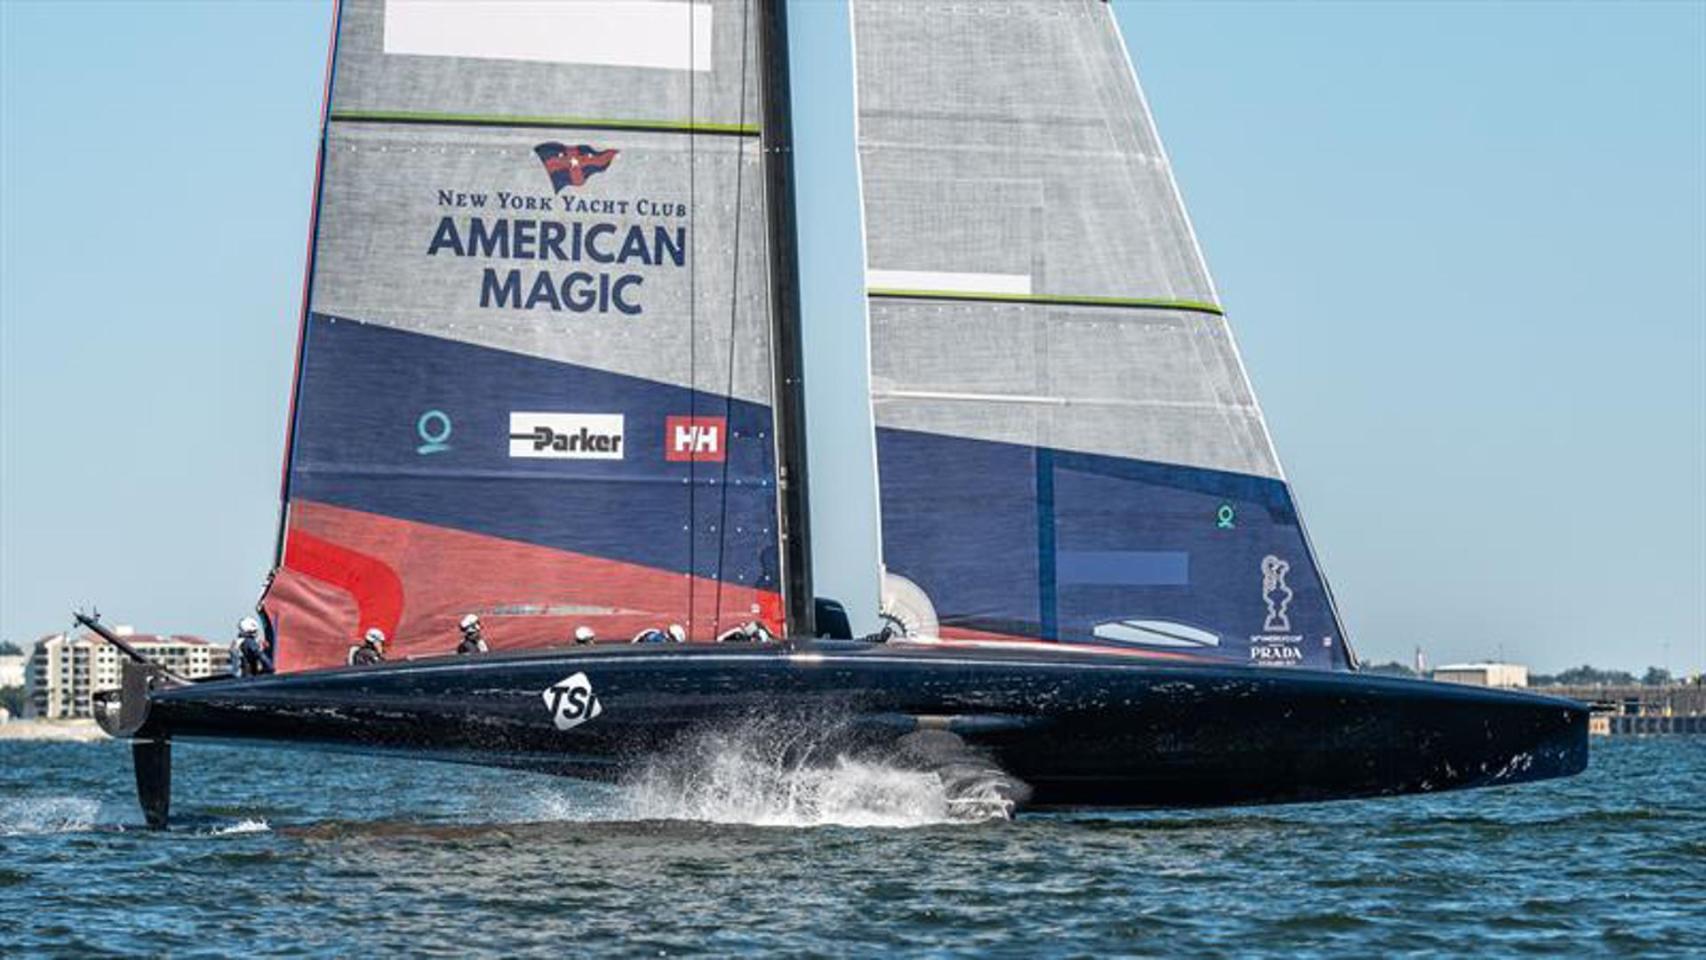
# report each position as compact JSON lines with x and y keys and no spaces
{"x":1068,"y":448}
{"x":973,"y":296}
{"x":561,"y":123}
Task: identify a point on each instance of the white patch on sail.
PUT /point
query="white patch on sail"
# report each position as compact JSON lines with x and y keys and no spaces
{"x":1155,"y":633}
{"x":566,"y":436}
{"x":606,"y":33}
{"x":1019,"y":283}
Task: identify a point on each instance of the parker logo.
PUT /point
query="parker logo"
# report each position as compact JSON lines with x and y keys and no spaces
{"x":572,"y":702}
{"x":571,"y":166}
{"x":566,"y":436}
{"x":695,"y":438}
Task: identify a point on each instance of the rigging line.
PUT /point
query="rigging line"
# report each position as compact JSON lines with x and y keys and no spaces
{"x":692,"y":321}
{"x":734,"y":323}
{"x":769,"y":354}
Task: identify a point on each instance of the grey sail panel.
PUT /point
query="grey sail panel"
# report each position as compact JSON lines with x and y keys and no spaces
{"x":423,"y":227}
{"x":535,"y":375}
{"x":1045,"y":336}
{"x":1145,"y":384}
{"x":1000,"y":138}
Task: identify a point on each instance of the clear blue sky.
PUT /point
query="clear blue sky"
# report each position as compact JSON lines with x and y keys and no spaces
{"x":1463,"y":245}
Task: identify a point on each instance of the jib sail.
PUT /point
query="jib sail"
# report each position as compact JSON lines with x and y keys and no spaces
{"x":534,"y":380}
{"x":1068,"y":446}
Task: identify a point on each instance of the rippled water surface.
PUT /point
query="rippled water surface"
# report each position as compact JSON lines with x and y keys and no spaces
{"x":303,"y":853}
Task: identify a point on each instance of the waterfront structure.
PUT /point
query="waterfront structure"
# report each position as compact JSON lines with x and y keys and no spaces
{"x":12,"y":669}
{"x":67,"y":668}
{"x":1623,"y":709}
{"x":1485,"y":674}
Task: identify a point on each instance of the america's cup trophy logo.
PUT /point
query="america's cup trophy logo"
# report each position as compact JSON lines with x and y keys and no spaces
{"x":1276,"y":594}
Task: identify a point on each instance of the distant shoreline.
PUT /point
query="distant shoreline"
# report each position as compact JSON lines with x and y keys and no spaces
{"x":70,"y":731}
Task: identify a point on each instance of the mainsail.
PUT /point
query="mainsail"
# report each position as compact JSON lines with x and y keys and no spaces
{"x":1068,"y":446}
{"x":535,"y":377}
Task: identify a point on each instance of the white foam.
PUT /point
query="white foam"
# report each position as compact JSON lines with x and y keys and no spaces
{"x":768,"y":775}
{"x":243,"y":826}
{"x":35,"y":815}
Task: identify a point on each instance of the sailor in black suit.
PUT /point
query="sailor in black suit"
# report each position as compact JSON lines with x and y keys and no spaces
{"x":473,"y":641}
{"x":370,"y":650}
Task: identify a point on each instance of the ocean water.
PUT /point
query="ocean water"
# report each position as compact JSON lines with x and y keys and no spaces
{"x":730,"y":851}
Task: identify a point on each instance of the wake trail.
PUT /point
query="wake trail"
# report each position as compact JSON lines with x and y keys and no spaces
{"x":26,"y":816}
{"x":771,"y":773}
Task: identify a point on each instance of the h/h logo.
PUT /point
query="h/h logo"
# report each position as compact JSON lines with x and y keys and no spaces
{"x":695,"y":438}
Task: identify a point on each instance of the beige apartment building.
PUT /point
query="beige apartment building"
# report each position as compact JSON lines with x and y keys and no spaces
{"x":67,"y":668}
{"x":1485,"y":674}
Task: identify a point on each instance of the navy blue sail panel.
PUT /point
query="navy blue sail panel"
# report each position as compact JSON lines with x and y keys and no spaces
{"x":425,"y":429}
{"x":1020,"y":541}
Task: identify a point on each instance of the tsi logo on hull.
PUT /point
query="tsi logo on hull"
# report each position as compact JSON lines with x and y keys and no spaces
{"x":694,"y":438}
{"x":572,"y":702}
{"x":566,"y":436}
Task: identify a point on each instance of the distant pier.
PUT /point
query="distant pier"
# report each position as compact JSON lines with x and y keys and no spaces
{"x":1622,"y":710}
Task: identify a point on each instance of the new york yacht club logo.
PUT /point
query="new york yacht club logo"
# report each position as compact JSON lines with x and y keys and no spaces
{"x":571,"y":166}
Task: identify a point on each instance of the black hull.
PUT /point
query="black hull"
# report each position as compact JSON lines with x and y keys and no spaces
{"x":1081,"y":730}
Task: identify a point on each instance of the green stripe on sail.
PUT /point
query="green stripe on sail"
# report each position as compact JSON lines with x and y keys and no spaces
{"x":1194,"y":306}
{"x":577,"y":123}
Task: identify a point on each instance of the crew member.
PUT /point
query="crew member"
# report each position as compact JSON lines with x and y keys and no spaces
{"x":650,"y":635}
{"x":370,"y":650}
{"x":677,"y":634}
{"x":749,"y":632}
{"x":473,"y":641}
{"x":584,"y":636}
{"x":248,"y":657}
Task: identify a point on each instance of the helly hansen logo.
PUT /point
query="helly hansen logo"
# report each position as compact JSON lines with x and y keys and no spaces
{"x":570,"y":166}
{"x":695,"y":438}
{"x":572,"y":702}
{"x":566,"y":436}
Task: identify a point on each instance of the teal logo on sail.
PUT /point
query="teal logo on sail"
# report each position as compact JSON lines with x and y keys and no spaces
{"x":434,"y":430}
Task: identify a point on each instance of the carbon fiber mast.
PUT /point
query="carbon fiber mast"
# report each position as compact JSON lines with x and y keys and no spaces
{"x":792,"y":505}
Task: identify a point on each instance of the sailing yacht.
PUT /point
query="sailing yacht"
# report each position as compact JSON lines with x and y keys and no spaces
{"x":549,"y":373}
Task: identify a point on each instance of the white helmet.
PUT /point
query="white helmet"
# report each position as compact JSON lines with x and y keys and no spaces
{"x":584,"y":634}
{"x":470,"y":622}
{"x":375,"y":636}
{"x":677,"y":634}
{"x":248,"y":627}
